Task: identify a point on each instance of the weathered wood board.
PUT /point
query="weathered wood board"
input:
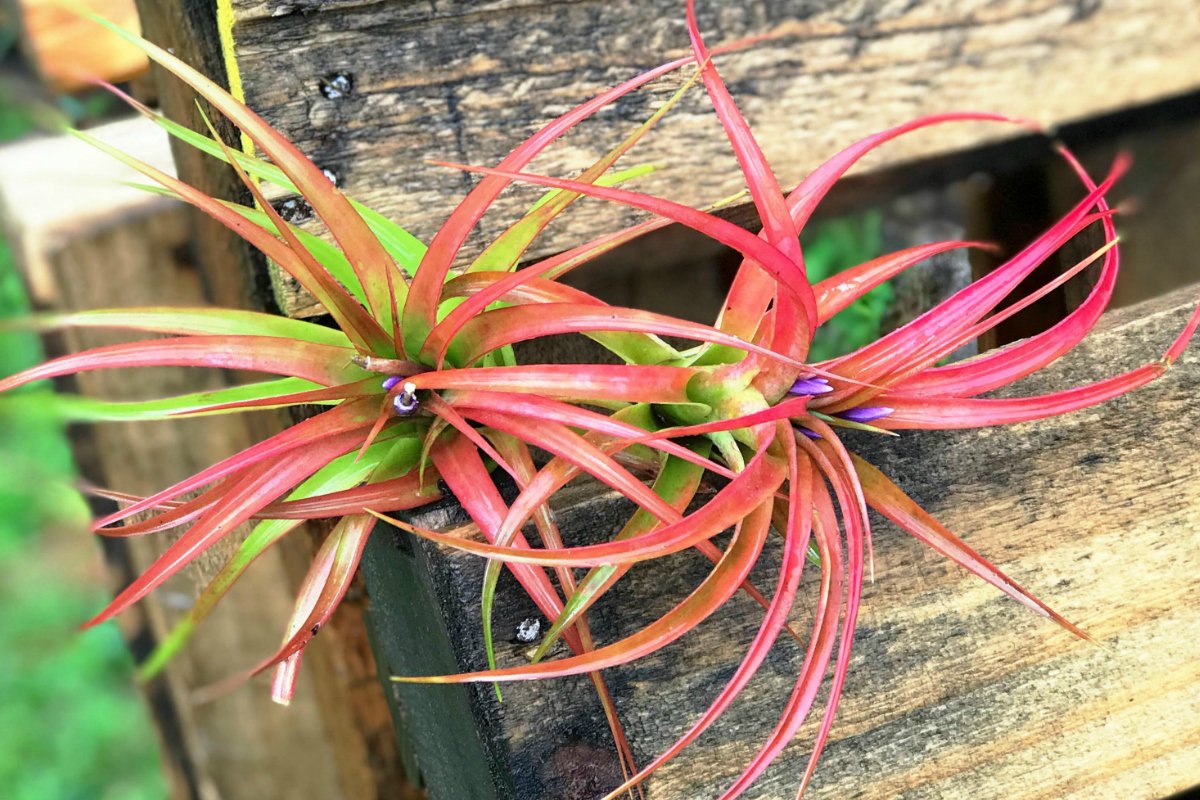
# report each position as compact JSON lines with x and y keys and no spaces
{"x":465,"y":81}
{"x":955,"y":692}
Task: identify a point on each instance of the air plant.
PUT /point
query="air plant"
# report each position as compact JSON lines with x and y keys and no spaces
{"x":423,"y":395}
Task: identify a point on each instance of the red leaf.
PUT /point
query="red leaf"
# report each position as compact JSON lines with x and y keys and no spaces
{"x":178,"y":514}
{"x":797,"y":530}
{"x":919,"y":340}
{"x":323,"y":587}
{"x":494,"y":329}
{"x":461,"y":468}
{"x":1012,"y":362}
{"x":420,"y":312}
{"x":517,"y":453}
{"x":550,"y":268}
{"x":395,"y":494}
{"x":441,"y":408}
{"x":795,"y":316}
{"x":783,"y":269}
{"x":888,"y":499}
{"x":842,"y":478}
{"x":261,"y":484}
{"x":839,"y":291}
{"x":370,"y":261}
{"x":820,"y":646}
{"x":351,"y":317}
{"x":561,"y":441}
{"x":944,"y":413}
{"x":710,"y":595}
{"x":751,"y":290}
{"x":952,"y":412}
{"x":753,"y":486}
{"x":595,"y":383}
{"x":366,"y":332}
{"x":535,"y":406}
{"x":315,"y":362}
{"x":347,"y":419}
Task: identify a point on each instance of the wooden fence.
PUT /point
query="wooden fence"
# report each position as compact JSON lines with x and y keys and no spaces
{"x":955,"y":692}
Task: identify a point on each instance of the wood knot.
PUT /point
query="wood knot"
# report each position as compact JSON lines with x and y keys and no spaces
{"x":582,"y":771}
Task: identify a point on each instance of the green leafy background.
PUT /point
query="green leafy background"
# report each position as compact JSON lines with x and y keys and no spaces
{"x":829,"y":248}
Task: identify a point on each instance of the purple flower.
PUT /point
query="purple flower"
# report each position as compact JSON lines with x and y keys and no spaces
{"x":865,"y":414}
{"x":810,"y":386}
{"x":389,"y":382}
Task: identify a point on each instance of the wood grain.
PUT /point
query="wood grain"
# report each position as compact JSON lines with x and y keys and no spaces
{"x":954,"y":691}
{"x":466,"y":81}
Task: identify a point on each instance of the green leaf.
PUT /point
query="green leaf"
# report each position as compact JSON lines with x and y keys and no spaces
{"x":187,"y":321}
{"x":77,"y":408}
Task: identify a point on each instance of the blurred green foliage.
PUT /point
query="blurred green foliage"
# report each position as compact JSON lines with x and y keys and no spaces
{"x":35,"y":461}
{"x":74,"y":725}
{"x":829,"y":248}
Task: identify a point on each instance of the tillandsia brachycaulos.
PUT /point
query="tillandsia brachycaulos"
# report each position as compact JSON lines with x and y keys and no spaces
{"x":422,"y":391}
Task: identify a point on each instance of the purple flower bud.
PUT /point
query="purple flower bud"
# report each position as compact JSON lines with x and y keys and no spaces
{"x":810,"y":386}
{"x":406,"y":402}
{"x":809,"y":434}
{"x":389,"y":382}
{"x":865,"y":414}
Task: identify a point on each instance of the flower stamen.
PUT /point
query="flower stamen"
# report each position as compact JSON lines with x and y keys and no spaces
{"x":406,"y":402}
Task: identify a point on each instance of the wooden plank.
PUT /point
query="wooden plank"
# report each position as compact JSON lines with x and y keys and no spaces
{"x":189,"y":29}
{"x":93,"y":243}
{"x":50,"y":197}
{"x":954,"y":690}
{"x":465,"y":81}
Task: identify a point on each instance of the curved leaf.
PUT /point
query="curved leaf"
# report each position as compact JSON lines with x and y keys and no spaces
{"x":721,"y":583}
{"x":757,"y":483}
{"x":317,"y":363}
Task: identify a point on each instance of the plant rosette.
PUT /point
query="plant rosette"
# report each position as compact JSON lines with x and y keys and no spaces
{"x":423,"y":395}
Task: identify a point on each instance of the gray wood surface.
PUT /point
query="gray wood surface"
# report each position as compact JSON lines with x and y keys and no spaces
{"x":465,"y":81}
{"x":954,"y":690}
